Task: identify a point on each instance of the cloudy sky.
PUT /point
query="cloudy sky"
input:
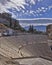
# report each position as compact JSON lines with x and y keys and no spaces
{"x":27,"y":9}
{"x":35,"y":22}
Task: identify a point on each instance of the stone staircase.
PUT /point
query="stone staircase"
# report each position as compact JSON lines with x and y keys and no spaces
{"x":25,"y":46}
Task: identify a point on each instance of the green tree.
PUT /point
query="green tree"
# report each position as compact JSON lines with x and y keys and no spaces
{"x":10,"y":23}
{"x":8,"y":17}
{"x":15,"y":24}
{"x":31,"y":29}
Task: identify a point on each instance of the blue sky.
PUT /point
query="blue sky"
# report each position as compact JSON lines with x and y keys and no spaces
{"x":27,"y":9}
{"x":40,"y":9}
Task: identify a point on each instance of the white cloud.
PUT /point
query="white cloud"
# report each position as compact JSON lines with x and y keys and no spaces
{"x":2,"y":8}
{"x":32,"y":1}
{"x":40,"y":14}
{"x":31,"y":11}
{"x":4,"y":1}
{"x":43,"y":8}
{"x":16,"y":3}
{"x":50,"y":7}
{"x":23,"y":11}
{"x":38,"y":11}
{"x":19,"y":2}
{"x":12,"y":4}
{"x":19,"y":6}
{"x":40,"y":0}
{"x":14,"y":16}
{"x":34,"y":24}
{"x":46,"y":8}
{"x":35,"y":12}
